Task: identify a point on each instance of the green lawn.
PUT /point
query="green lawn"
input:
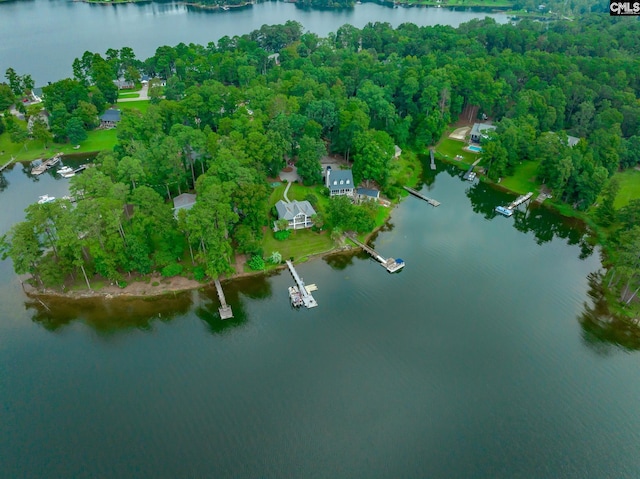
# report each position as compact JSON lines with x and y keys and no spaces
{"x":300,"y":245}
{"x":128,"y":95}
{"x":97,"y":140}
{"x":141,"y":105}
{"x":629,"y":187}
{"x":523,"y":179}
{"x":449,"y":149}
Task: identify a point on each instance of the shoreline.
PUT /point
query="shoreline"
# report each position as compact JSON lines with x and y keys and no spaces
{"x":165,"y":286}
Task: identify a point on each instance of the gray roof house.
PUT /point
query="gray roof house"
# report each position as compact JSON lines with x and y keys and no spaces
{"x":298,"y":213}
{"x":367,"y":194}
{"x":185,"y":201}
{"x":339,"y":182}
{"x":110,"y":118}
{"x":480,"y":130}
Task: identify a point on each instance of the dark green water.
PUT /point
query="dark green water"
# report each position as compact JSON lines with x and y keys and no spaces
{"x":480,"y":359}
{"x":42,"y":37}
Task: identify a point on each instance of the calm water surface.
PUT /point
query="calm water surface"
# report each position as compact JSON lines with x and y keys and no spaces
{"x":474,"y":361}
{"x":42,"y":37}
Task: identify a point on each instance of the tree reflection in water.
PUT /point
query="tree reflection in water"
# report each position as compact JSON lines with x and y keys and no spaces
{"x":602,"y":330}
{"x":542,"y":222}
{"x":107,"y":316}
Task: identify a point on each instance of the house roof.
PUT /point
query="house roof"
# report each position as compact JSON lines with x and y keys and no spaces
{"x":340,"y":179}
{"x":288,"y":211}
{"x":184,"y":201}
{"x":572,"y":141}
{"x":111,"y":115}
{"x":479,"y":128}
{"x":368,"y":192}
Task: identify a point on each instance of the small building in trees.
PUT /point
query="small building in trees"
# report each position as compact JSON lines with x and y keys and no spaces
{"x":110,"y":118}
{"x":41,"y":115}
{"x":185,"y":201}
{"x":397,"y":151}
{"x":480,"y":130}
{"x":297,"y":213}
{"x":367,"y":194}
{"x":572,"y":141}
{"x":124,"y":84}
{"x":339,"y":182}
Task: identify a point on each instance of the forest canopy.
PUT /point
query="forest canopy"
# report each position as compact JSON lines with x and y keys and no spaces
{"x":231,"y":115}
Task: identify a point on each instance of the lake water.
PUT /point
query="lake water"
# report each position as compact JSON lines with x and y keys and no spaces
{"x":42,"y":37}
{"x":474,"y":361}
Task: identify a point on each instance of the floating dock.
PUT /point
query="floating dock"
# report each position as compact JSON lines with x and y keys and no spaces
{"x":390,"y":264}
{"x":45,"y":165}
{"x":433,"y":161}
{"x":300,"y":294}
{"x":431,"y":201}
{"x":470,"y":175}
{"x":224,"y":309}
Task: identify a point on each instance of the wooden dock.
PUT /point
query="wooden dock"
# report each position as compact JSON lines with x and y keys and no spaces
{"x":390,"y":264}
{"x":3,"y":167}
{"x":417,"y":194}
{"x":518,"y":201}
{"x":224,"y":309}
{"x":300,"y":294}
{"x":45,"y":165}
{"x":433,"y":161}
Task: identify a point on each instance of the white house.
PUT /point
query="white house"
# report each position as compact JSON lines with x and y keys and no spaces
{"x":480,"y":131}
{"x":339,"y":182}
{"x":297,"y":213}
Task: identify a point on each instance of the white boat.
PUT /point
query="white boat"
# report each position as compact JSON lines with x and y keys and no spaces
{"x":46,"y":199}
{"x":68,"y":175}
{"x":65,"y":170}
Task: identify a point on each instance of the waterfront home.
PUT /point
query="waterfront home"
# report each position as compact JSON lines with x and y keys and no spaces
{"x":339,"y":182}
{"x":480,"y":131}
{"x":110,"y":118}
{"x":367,"y":194}
{"x":297,"y":213}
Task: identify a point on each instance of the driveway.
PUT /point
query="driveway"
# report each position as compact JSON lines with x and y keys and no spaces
{"x":143,"y":92}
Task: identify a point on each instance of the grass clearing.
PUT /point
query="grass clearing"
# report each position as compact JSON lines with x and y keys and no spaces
{"x":128,"y":95}
{"x":141,"y":105}
{"x":300,"y":245}
{"x":629,"y":187}
{"x":523,"y":179}
{"x":449,"y":149}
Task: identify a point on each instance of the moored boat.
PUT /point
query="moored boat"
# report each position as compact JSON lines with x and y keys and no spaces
{"x":504,"y":211}
{"x":45,"y":199}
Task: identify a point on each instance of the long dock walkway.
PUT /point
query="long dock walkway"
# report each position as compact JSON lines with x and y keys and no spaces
{"x":302,"y":292}
{"x":224,"y":309}
{"x":518,"y":201}
{"x":433,"y":161}
{"x":390,"y":264}
{"x":431,"y":201}
{"x":2,"y":168}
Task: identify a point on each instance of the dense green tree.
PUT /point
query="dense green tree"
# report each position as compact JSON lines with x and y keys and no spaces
{"x":40,"y":131}
{"x":75,"y":130}
{"x":309,"y":154}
